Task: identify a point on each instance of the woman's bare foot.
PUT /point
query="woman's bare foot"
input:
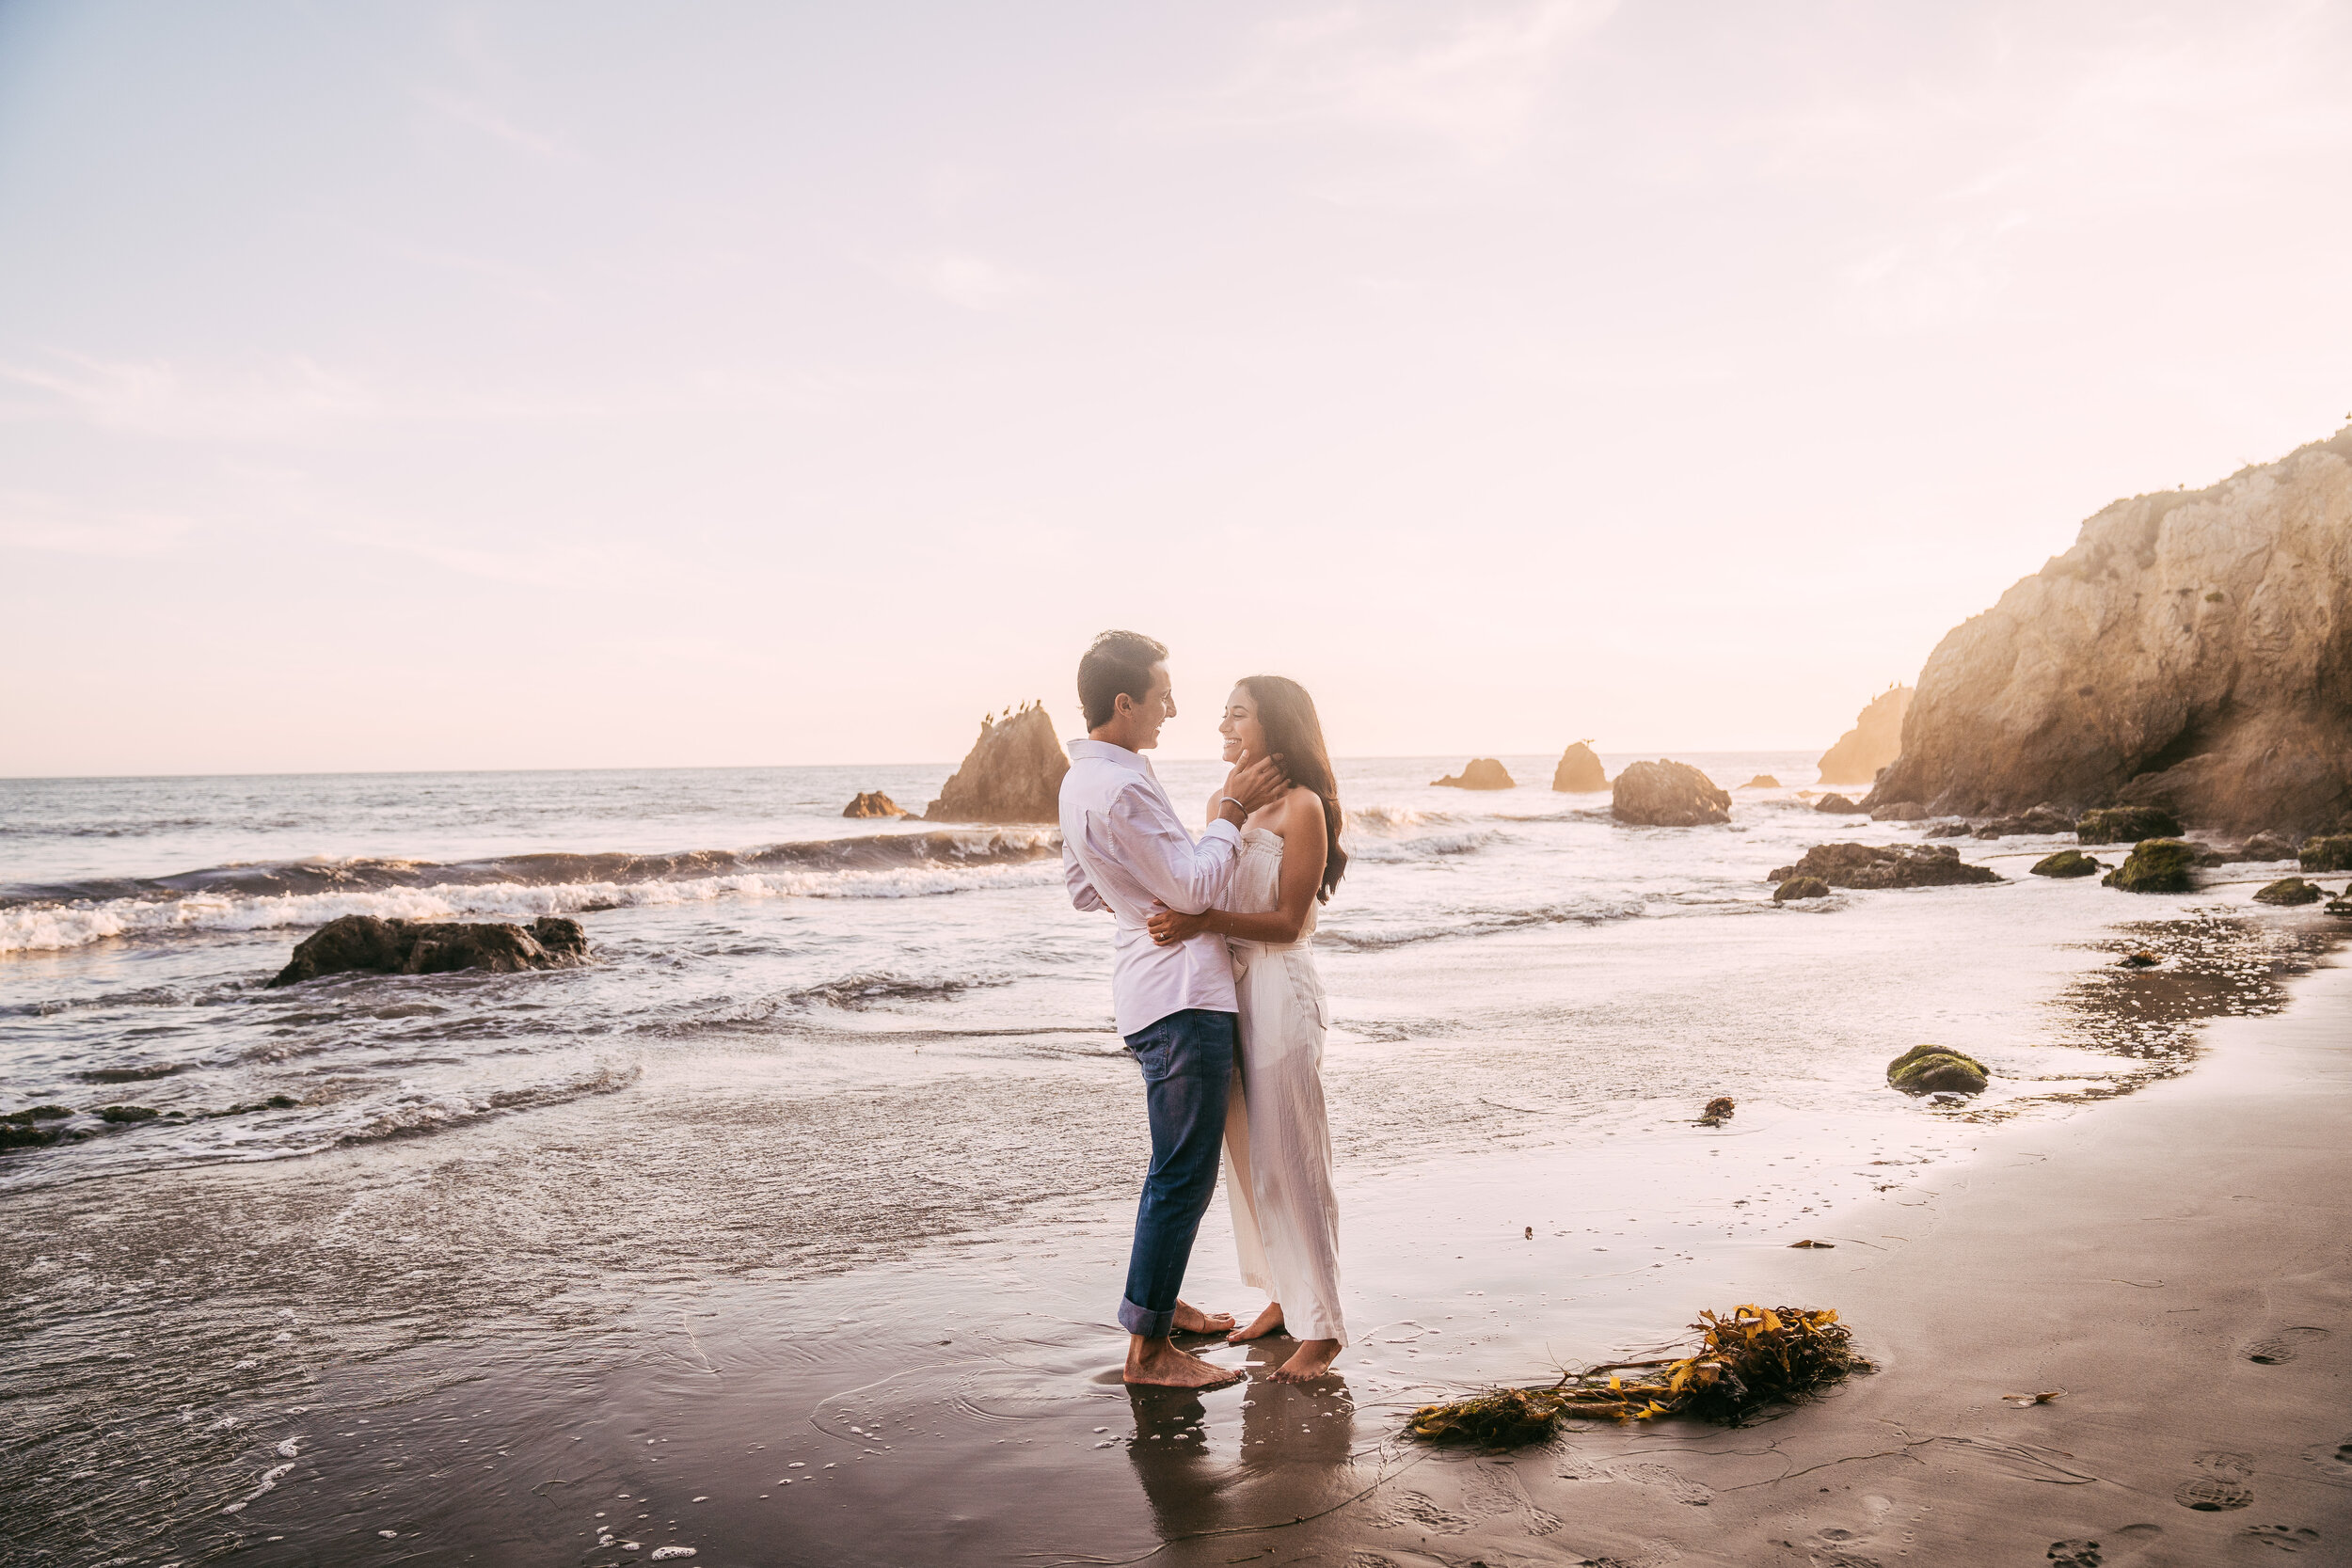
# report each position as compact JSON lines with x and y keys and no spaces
{"x":1312,"y":1359}
{"x":1191,"y":1319}
{"x":1262,"y":1324}
{"x":1161,"y":1364}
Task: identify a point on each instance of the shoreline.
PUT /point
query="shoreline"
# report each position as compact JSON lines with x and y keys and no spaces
{"x":950,"y":1394}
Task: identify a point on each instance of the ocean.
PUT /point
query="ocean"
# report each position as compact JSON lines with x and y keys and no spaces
{"x":812,"y":1053}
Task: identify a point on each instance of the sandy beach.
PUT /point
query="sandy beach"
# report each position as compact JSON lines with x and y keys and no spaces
{"x":868,"y":1324}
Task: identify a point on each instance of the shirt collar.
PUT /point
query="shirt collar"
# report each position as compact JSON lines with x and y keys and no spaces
{"x":1108,"y":753}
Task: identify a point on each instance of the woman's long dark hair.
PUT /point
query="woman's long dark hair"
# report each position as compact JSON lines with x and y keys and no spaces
{"x":1293,"y":732}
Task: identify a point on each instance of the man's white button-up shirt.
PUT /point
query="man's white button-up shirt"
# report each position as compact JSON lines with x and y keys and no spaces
{"x":1124,"y":850}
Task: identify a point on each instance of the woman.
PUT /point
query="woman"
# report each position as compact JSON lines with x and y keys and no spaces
{"x":1277,"y":1145}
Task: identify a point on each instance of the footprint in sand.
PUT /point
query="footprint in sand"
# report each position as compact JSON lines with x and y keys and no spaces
{"x":2283,"y":1346}
{"x":2111,"y":1550}
{"x":2333,"y":1461}
{"x":2222,"y":1487}
{"x":2261,"y":1540}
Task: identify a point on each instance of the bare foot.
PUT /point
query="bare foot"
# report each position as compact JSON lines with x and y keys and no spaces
{"x":1313,"y":1360}
{"x":1191,"y":1319}
{"x":1160,"y":1365}
{"x":1262,"y":1324}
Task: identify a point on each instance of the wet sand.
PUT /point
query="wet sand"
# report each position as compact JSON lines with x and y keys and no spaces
{"x":577,"y":1336}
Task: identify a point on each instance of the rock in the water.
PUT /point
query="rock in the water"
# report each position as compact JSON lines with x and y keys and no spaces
{"x":2332,"y":853}
{"x":2154,"y":866}
{"x":873,"y":802}
{"x":1900,"y":811}
{"x":1937,"y":1070}
{"x":1835,"y":802}
{"x":2290,"y":890}
{"x":23,"y":1129}
{"x":2067,"y":862}
{"x":1885,"y":865}
{"x":2268,"y":847}
{"x":365,"y":943}
{"x":1949,"y":829}
{"x":1013,"y":774}
{"x":1762,"y":781}
{"x":1800,"y":887}
{"x":127,"y":1113}
{"x":2126,"y":824}
{"x":2141,"y":959}
{"x":2192,"y":651}
{"x":1664,"y":794}
{"x":1580,"y":771}
{"x":1875,"y":741}
{"x":1477,"y":773}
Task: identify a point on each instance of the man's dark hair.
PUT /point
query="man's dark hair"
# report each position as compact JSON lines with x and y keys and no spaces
{"x":1118,"y":661}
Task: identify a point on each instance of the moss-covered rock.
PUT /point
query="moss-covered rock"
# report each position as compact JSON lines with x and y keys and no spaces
{"x":2126,"y":824}
{"x":2290,"y":890}
{"x":1937,"y":1070}
{"x":2155,"y":866}
{"x":2332,"y":853}
{"x":2067,"y":862}
{"x":1800,"y":887}
{"x":127,"y":1113}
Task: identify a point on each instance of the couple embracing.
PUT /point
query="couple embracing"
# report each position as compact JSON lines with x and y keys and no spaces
{"x":1216,"y":996}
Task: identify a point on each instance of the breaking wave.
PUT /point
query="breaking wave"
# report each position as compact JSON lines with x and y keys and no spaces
{"x":1475,"y":922}
{"x":312,"y":892}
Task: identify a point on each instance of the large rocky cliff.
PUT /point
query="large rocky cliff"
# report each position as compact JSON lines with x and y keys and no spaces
{"x":1875,"y":741}
{"x":1011,"y":774}
{"x":2192,"y":651}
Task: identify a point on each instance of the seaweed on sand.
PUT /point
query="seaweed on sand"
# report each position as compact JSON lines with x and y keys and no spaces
{"x":1747,"y":1359}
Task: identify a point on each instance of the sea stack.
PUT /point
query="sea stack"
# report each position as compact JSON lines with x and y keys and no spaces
{"x":2192,"y":651}
{"x":1011,"y":774}
{"x":1580,"y":771}
{"x":1664,"y":794}
{"x":1477,"y":773}
{"x":873,"y":802}
{"x":1875,"y":741}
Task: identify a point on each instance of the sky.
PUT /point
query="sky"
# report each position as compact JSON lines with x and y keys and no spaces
{"x":428,"y":386}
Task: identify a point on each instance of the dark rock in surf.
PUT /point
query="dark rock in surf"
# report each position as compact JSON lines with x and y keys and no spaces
{"x":2268,"y":847}
{"x":1665,"y":794}
{"x":1013,"y":774}
{"x":1478,"y":773}
{"x":1800,"y":887}
{"x":2154,"y":866}
{"x":2332,"y":853}
{"x":1949,"y":829}
{"x":2067,"y":862}
{"x":1937,"y":1070}
{"x":873,"y":802}
{"x":2290,"y":891}
{"x":23,"y":1129}
{"x":1886,"y":865}
{"x":127,"y":1113}
{"x":2126,"y":824}
{"x":365,"y":943}
{"x":1837,"y":804}
{"x":1580,"y":771}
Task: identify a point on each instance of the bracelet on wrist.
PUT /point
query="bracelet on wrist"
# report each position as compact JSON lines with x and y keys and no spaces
{"x":1229,"y":801}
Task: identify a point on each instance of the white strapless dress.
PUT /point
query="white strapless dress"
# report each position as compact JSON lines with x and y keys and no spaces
{"x":1277,"y":1144}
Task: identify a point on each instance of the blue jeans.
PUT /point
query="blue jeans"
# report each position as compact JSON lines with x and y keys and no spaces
{"x":1187,"y":1062}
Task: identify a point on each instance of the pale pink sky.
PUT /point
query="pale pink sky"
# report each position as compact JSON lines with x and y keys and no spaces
{"x":468,"y":385}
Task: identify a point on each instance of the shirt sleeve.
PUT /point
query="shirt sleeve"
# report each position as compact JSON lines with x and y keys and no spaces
{"x":1184,"y":875}
{"x":1074,"y":876}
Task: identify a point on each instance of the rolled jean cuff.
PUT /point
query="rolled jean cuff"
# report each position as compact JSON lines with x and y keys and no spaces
{"x":1143,"y":1320}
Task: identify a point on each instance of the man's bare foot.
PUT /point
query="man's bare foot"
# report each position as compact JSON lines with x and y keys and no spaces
{"x":1191,"y":1319}
{"x":1160,"y":1365}
{"x":1312,"y":1359}
{"x":1262,"y":1324}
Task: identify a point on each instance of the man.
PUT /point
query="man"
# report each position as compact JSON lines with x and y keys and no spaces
{"x":1126,"y":850}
